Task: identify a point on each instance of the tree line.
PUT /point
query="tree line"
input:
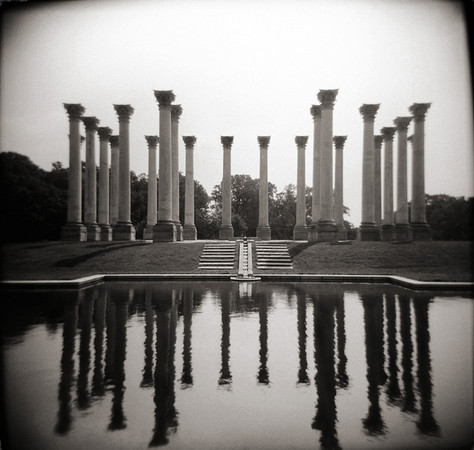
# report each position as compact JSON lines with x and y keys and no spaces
{"x":34,"y":205}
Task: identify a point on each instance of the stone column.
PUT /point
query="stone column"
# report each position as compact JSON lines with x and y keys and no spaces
{"x":263,"y":229}
{"x":105,"y":228}
{"x":176,"y":111}
{"x":226,"y":230}
{"x":368,"y":229}
{"x":378,"y":139}
{"x":388,"y":228}
{"x":300,"y":231}
{"x":189,"y":229}
{"x":420,"y":228}
{"x":124,"y":230}
{"x":114,"y":178}
{"x":339,"y":142}
{"x":74,"y":230}
{"x":402,"y":228}
{"x":315,"y":216}
{"x":165,"y":229}
{"x":90,"y":212}
{"x":327,"y":230}
{"x":152,"y":206}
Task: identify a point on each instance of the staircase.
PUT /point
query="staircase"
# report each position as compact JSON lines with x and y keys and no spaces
{"x":273,"y":255}
{"x":218,"y":256}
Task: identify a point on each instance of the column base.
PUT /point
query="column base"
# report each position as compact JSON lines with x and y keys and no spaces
{"x":420,"y":231}
{"x":93,"y":232}
{"x":368,"y":231}
{"x":148,"y":232}
{"x":300,"y":233}
{"x":179,"y":231}
{"x":226,"y":232}
{"x":403,"y":232}
{"x":313,"y":232}
{"x":327,"y":231}
{"x":387,"y":233}
{"x":123,"y":231}
{"x":189,"y":233}
{"x":341,"y":233}
{"x":74,"y":231}
{"x":264,"y":232}
{"x":105,"y":232}
{"x":164,"y":231}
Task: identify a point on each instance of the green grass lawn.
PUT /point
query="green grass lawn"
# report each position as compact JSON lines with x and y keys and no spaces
{"x":426,"y":261}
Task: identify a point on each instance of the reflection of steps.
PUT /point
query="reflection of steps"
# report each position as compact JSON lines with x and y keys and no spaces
{"x":273,"y":255}
{"x":218,"y":255}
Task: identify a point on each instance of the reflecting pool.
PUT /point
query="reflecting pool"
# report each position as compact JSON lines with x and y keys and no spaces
{"x":217,"y":365}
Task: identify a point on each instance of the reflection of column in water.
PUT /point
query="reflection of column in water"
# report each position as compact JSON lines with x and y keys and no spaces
{"x":63,"y":424}
{"x":373,"y":324}
{"x":263,"y":376}
{"x":225,"y":375}
{"x":83,"y":399}
{"x":147,"y":379}
{"x":161,"y":395}
{"x":109,"y":375}
{"x":171,"y":413}
{"x":99,"y":325}
{"x":342,"y":377}
{"x":301,"y":311}
{"x":407,"y":353}
{"x":325,"y":379}
{"x":120,"y":299}
{"x":393,"y":389}
{"x":187,"y":375}
{"x":427,"y":423}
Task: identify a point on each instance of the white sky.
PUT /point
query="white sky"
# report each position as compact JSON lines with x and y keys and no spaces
{"x":241,"y":68}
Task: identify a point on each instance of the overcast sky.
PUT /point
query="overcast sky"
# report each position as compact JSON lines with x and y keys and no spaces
{"x":241,"y":68}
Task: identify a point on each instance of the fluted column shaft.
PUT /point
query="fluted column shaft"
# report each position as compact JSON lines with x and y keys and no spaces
{"x":339,"y":142}
{"x":263,"y":229}
{"x":419,"y":225}
{"x":74,"y":230}
{"x":401,"y":217}
{"x":151,"y":218}
{"x":388,"y":225}
{"x":378,"y":139}
{"x":176,"y":112}
{"x":301,"y":232}
{"x":105,"y":229}
{"x":189,"y":229}
{"x":315,"y":205}
{"x":226,"y":231}
{"x":326,"y":226}
{"x":114,"y":178}
{"x":124,"y":230}
{"x":165,"y":231}
{"x":368,"y":230}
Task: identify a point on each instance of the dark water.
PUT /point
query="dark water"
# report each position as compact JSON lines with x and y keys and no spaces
{"x":225,"y":365}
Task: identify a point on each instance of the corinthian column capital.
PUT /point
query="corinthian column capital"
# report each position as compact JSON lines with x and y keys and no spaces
{"x":327,"y":97}
{"x":114,"y":140}
{"x":104,"y":133}
{"x":74,"y":110}
{"x":315,"y":111}
{"x":378,"y":139}
{"x":301,"y":141}
{"x":152,"y":141}
{"x":90,"y":123}
{"x":189,"y":141}
{"x":339,"y":141}
{"x":164,"y":98}
{"x":402,"y":123}
{"x":263,"y":141}
{"x":124,"y":112}
{"x":176,"y":111}
{"x":419,"y":110}
{"x":388,"y":133}
{"x":369,"y":111}
{"x":227,"y":141}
